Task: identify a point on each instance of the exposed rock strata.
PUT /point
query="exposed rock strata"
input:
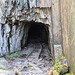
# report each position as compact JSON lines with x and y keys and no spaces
{"x":14,"y":25}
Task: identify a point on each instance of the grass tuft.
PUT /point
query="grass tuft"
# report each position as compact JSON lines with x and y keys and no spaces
{"x":17,"y":54}
{"x":63,"y":57}
{"x":2,"y":68}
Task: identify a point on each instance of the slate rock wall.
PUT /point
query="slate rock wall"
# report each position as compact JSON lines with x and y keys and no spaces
{"x":17,"y":13}
{"x":13,"y":25}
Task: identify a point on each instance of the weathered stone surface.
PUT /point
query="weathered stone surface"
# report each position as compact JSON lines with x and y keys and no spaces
{"x":27,"y":4}
{"x":2,"y":20}
{"x":2,"y":3}
{"x":1,"y":14}
{"x":7,"y":12}
{"x":4,"y":64}
{"x":15,"y":31}
{"x":44,"y":3}
{"x":1,"y":40}
{"x":6,"y":72}
{"x":56,"y":21}
{"x":68,"y":31}
{"x":2,"y":11}
{"x":16,"y":23}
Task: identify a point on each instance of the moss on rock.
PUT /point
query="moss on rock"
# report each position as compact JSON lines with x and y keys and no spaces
{"x":55,"y":72}
{"x":62,"y":70}
{"x":68,"y":74}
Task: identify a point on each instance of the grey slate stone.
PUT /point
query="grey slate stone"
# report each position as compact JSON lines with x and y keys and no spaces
{"x":4,"y":63}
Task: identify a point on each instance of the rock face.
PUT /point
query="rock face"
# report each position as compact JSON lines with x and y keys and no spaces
{"x":19,"y":15}
{"x":17,"y":19}
{"x":2,"y":3}
{"x":56,"y":21}
{"x":68,"y":31}
{"x":4,"y":64}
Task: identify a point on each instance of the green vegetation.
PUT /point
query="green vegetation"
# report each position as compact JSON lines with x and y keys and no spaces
{"x":30,"y":66}
{"x":55,"y":72}
{"x":57,"y":64}
{"x":62,"y":70}
{"x":17,"y":54}
{"x":2,"y":68}
{"x":58,"y":56}
{"x":59,"y":69}
{"x":6,"y":69}
{"x":10,"y":68}
{"x":68,"y":74}
{"x":53,"y":59}
{"x":71,"y":71}
{"x":35,"y":69}
{"x":63,"y":57}
{"x":57,"y":61}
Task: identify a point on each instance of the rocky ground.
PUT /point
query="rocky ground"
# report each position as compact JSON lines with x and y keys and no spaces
{"x":60,"y":67}
{"x":33,"y":60}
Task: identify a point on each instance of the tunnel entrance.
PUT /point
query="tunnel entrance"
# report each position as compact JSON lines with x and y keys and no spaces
{"x":38,"y":32}
{"x":36,"y":38}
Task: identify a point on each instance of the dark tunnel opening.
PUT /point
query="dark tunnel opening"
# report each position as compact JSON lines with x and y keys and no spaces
{"x":38,"y":32}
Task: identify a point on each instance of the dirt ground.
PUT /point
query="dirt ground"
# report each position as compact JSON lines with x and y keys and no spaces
{"x":33,"y":60}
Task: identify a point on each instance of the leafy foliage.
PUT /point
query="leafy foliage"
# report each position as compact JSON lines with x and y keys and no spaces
{"x":63,"y":57}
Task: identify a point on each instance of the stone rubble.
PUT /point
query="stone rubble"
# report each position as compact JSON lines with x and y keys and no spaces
{"x":28,"y":65}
